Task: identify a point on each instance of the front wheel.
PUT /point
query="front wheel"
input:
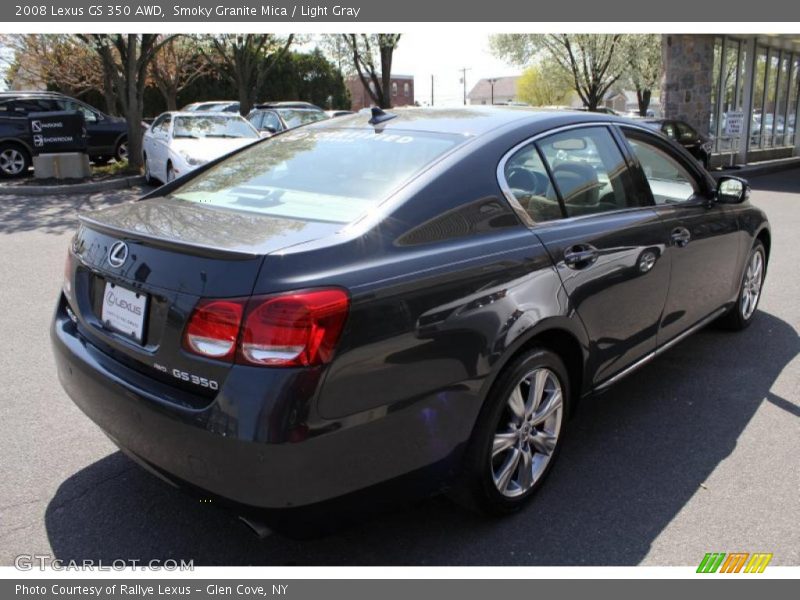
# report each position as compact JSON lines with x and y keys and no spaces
{"x":14,"y":160}
{"x":742,"y":313}
{"x":519,"y":434}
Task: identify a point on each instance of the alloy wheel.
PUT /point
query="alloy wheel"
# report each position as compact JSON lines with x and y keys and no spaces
{"x":12,"y":162}
{"x":122,"y":151}
{"x":527,"y":433}
{"x":751,"y":286}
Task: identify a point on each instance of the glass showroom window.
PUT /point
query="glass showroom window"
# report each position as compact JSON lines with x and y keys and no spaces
{"x":713,"y":126}
{"x":794,"y":91}
{"x":768,"y":121}
{"x":779,"y":128}
{"x":728,"y":81}
{"x":759,"y":89}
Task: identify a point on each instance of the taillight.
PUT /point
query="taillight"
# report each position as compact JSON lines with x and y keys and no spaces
{"x":289,"y":330}
{"x":298,"y":329}
{"x":214,"y":328}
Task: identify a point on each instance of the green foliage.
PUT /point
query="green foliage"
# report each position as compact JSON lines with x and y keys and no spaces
{"x":545,"y":83}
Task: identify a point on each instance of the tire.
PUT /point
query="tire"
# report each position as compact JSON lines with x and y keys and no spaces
{"x":742,"y":313}
{"x":121,"y":151}
{"x":15,"y":160}
{"x":489,"y":482}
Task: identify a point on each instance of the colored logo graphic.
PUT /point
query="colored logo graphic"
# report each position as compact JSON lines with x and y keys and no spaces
{"x":735,"y":562}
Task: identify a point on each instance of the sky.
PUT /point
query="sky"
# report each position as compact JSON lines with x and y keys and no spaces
{"x":443,"y":56}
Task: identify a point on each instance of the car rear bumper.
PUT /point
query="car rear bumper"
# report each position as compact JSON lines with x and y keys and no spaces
{"x":249,"y":446}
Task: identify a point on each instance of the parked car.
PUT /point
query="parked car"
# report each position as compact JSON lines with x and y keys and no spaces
{"x":687,"y":136}
{"x":425,"y":295}
{"x":178,"y":142}
{"x":107,"y":135}
{"x":274,"y":117}
{"x":230,"y":106}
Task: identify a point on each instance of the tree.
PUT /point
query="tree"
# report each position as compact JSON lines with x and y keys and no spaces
{"x":176,"y":66}
{"x":545,"y":83}
{"x":595,"y":61}
{"x":643,"y":58}
{"x":126,"y":59}
{"x":245,"y":60}
{"x":337,"y":50}
{"x":366,"y":51}
{"x":58,"y":62}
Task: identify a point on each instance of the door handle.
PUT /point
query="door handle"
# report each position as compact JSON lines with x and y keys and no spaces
{"x":580,"y":256}
{"x":680,"y":236}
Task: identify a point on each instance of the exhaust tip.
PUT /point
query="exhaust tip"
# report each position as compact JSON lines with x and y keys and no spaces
{"x":258,"y":528}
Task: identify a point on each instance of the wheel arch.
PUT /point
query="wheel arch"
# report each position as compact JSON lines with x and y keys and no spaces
{"x":560,"y":335}
{"x":21,"y":142}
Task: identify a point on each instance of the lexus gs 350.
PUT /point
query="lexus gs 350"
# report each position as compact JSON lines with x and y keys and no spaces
{"x":421,"y":296}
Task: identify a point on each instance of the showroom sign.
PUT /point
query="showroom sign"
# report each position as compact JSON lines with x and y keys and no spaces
{"x":734,"y":124}
{"x":62,"y":131}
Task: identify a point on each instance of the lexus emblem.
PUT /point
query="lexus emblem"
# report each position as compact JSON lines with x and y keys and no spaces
{"x":118,"y":254}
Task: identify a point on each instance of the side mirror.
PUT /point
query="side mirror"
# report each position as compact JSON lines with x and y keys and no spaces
{"x":268,"y":129}
{"x":264,"y":133}
{"x":732,"y":190}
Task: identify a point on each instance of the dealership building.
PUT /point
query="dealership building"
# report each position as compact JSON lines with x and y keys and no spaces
{"x":741,"y":89}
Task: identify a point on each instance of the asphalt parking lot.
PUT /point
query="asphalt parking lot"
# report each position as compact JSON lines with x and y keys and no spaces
{"x":695,"y":453}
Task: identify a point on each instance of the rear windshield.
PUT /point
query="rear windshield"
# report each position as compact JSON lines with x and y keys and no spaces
{"x":331,"y":175}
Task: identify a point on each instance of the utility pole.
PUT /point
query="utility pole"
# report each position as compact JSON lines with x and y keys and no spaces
{"x":431,"y":90}
{"x":464,"y":81}
{"x":491,"y":84}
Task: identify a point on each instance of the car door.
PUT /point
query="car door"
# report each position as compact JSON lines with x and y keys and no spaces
{"x":703,"y":243}
{"x":605,"y":239}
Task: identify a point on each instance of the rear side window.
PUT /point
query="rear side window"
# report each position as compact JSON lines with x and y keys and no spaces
{"x":332,"y":175}
{"x":589,"y":171}
{"x":527,"y":180}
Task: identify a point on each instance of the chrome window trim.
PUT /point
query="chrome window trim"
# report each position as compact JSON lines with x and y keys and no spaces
{"x":517,"y":207}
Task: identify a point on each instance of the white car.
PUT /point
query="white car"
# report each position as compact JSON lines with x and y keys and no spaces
{"x":178,"y":142}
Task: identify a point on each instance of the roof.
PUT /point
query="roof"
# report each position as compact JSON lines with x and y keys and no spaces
{"x":503,"y":86}
{"x":468,"y":121}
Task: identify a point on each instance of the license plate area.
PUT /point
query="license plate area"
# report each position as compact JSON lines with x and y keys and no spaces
{"x":124,"y":311}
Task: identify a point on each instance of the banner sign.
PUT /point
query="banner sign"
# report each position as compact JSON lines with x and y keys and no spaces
{"x":61,"y":131}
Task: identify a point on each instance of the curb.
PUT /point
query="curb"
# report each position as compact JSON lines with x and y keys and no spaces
{"x":75,"y":188}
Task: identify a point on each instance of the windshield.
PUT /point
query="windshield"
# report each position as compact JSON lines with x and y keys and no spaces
{"x":212,"y":126}
{"x":295,"y":117}
{"x":331,"y":175}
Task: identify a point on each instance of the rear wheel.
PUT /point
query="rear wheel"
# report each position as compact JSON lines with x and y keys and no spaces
{"x":519,"y":435}
{"x":742,"y":313}
{"x":14,"y":160}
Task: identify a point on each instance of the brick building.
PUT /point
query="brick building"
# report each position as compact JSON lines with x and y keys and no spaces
{"x":402,"y":92}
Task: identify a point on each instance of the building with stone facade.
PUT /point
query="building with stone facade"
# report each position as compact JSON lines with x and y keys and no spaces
{"x":741,"y":90}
